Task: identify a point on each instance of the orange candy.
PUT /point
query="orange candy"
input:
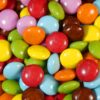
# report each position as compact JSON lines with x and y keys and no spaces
{"x":2,"y":78}
{"x":65,"y":75}
{"x":34,"y":35}
{"x":6,"y":96}
{"x":3,"y":4}
{"x":87,"y":13}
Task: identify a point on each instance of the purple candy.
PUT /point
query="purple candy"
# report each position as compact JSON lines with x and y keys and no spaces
{"x":25,"y":22}
{"x":8,"y":19}
{"x":25,"y":2}
{"x":71,"y":6}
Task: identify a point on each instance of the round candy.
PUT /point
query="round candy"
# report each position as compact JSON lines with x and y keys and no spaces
{"x":37,"y":8}
{"x":68,"y":87}
{"x":19,"y":48}
{"x":11,"y":87}
{"x":83,"y":94}
{"x":91,"y":33}
{"x":97,"y":4}
{"x":8,"y":22}
{"x":25,"y":2}
{"x":6,"y":96}
{"x":87,"y":70}
{"x":65,"y":75}
{"x":13,"y":70}
{"x":32,"y":75}
{"x":25,"y":22}
{"x":68,"y":97}
{"x":97,"y":92}
{"x":49,"y":85}
{"x":49,"y":24}
{"x":5,"y":52}
{"x":1,"y":91}
{"x":87,"y":13}
{"x":70,"y":57}
{"x":17,"y":97}
{"x":38,"y":52}
{"x":3,"y":4}
{"x":56,"y":10}
{"x":33,"y":35}
{"x":32,"y":94}
{"x":71,"y":6}
{"x":2,"y":65}
{"x":97,"y":22}
{"x":57,"y":42}
{"x":94,"y":48}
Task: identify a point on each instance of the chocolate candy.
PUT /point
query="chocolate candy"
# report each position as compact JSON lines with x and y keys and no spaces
{"x":32,"y":94}
{"x":83,"y":94}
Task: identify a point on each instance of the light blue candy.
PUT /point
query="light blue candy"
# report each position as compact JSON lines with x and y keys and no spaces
{"x":97,"y":4}
{"x":13,"y":70}
{"x":93,"y":84}
{"x":49,"y":24}
{"x":49,"y":85}
{"x":97,"y":91}
{"x":23,"y":86}
{"x":53,"y":63}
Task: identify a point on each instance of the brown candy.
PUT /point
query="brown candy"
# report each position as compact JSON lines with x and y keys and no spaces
{"x":32,"y":94}
{"x":83,"y":94}
{"x":74,"y":32}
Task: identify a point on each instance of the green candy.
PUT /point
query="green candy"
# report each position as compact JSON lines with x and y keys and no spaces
{"x":19,"y":48}
{"x":56,"y":10}
{"x":14,"y":35}
{"x":94,"y":48}
{"x":30,"y":61}
{"x":80,"y":45}
{"x":68,"y":97}
{"x":11,"y":87}
{"x":68,"y":87}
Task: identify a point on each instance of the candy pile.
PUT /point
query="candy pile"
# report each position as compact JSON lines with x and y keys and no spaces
{"x":49,"y":49}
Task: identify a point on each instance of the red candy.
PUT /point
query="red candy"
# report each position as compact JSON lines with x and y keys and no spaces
{"x":57,"y":42}
{"x":2,"y":64}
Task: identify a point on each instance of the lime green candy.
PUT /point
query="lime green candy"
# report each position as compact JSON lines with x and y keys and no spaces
{"x":94,"y":48}
{"x":14,"y":35}
{"x":11,"y":87}
{"x":29,"y":61}
{"x":19,"y":48}
{"x":80,"y":45}
{"x":68,"y":87}
{"x":56,"y":10}
{"x":68,"y":97}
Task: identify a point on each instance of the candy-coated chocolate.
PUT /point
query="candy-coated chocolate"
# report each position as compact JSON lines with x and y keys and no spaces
{"x":97,"y":22}
{"x":3,"y":4}
{"x":59,"y":96}
{"x":4,"y":32}
{"x":33,"y":94}
{"x":87,"y":70}
{"x":1,"y":91}
{"x":25,"y":2}
{"x":70,"y":57}
{"x":17,"y":97}
{"x":97,"y":4}
{"x":2,"y":65}
{"x":65,"y":75}
{"x":97,"y":92}
{"x":32,"y":75}
{"x":83,"y":94}
{"x":38,"y":52}
{"x":6,"y":96}
{"x":68,"y":87}
{"x":68,"y":97}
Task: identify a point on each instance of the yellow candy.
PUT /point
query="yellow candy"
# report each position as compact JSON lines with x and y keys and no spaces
{"x":91,"y":33}
{"x":38,"y":52}
{"x":97,"y":22}
{"x":17,"y":97}
{"x":5,"y":51}
{"x":70,"y":57}
{"x":24,"y":12}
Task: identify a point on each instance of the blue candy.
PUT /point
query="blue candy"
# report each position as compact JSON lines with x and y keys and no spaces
{"x":97,"y":4}
{"x":97,"y":91}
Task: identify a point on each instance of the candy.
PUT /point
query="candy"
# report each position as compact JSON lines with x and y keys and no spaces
{"x":68,"y":87}
{"x":25,"y":2}
{"x":68,"y":97}
{"x":32,"y":94}
{"x":8,"y":22}
{"x":53,"y":63}
{"x":11,"y":87}
{"x":57,"y":42}
{"x":38,"y":52}
{"x":87,"y":70}
{"x":32,"y":75}
{"x":49,"y":24}
{"x":49,"y":85}
{"x":3,"y":4}
{"x":33,"y":35}
{"x":13,"y":70}
{"x":56,"y":10}
{"x":5,"y":52}
{"x":19,"y":48}
{"x":6,"y":96}
{"x":97,"y":4}
{"x":84,"y":93}
{"x":70,"y":57}
{"x":2,"y":64}
{"x":97,"y":92}
{"x":87,"y":13}
{"x":97,"y":22}
{"x":65,"y":75}
{"x":17,"y":97}
{"x":25,"y":22}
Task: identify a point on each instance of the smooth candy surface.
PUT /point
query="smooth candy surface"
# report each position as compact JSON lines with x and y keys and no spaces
{"x":97,"y":91}
{"x":25,"y":2}
{"x":97,"y":22}
{"x":68,"y":97}
{"x":17,"y":97}
{"x":6,"y":96}
{"x":3,"y":4}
